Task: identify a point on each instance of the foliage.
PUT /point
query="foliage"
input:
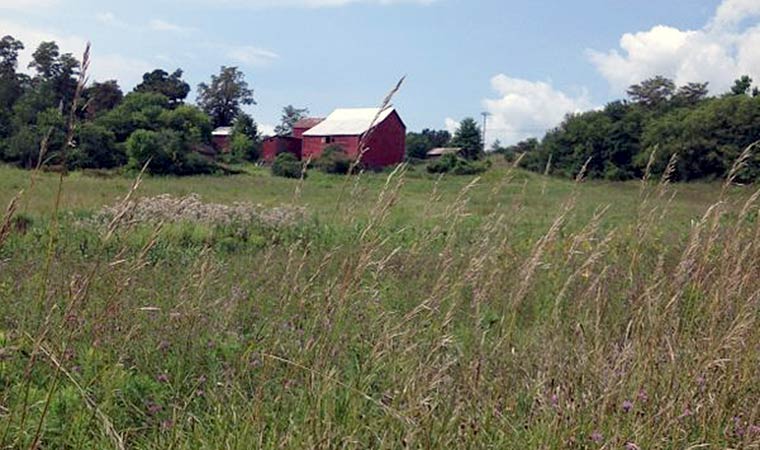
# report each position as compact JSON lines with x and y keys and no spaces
{"x":287,"y":165}
{"x":167,"y":152}
{"x":652,"y":92}
{"x":95,"y":149}
{"x":334,"y":160}
{"x":99,"y":98}
{"x":170,"y":86}
{"x":469,"y":137}
{"x":706,"y":133}
{"x":243,"y":148}
{"x":290,"y":116}
{"x":224,"y":97}
{"x":419,"y":144}
{"x":450,"y":163}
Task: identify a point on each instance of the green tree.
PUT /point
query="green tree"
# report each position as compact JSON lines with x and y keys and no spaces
{"x":243,"y":148}
{"x":55,"y":69}
{"x":99,"y":98}
{"x":691,"y":94}
{"x":137,"y":111}
{"x":9,"y":50}
{"x":742,"y":86}
{"x":95,"y":149}
{"x":244,"y":124}
{"x":653,"y":92}
{"x":224,"y":97}
{"x":469,"y":137}
{"x":170,"y":86}
{"x":437,"y":138}
{"x":192,"y":123}
{"x":290,"y":116}
{"x":417,"y":145}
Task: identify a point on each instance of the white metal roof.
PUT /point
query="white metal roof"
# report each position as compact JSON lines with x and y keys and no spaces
{"x":222,"y":131}
{"x":349,"y":122}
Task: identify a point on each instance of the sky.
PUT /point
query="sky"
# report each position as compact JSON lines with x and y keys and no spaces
{"x":527,"y":63}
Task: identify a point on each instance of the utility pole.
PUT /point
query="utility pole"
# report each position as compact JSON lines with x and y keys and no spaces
{"x":485,"y":124}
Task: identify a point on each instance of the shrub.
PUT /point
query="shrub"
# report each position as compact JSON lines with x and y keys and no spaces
{"x":458,"y":166}
{"x":288,"y":166}
{"x":96,"y":149}
{"x":168,"y":154}
{"x":334,"y":160}
{"x":243,"y":147}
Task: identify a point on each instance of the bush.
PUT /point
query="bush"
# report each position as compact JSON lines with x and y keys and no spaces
{"x":288,"y":166}
{"x":334,"y":160}
{"x":458,"y":166}
{"x":96,"y":149}
{"x":243,"y":148}
{"x":168,"y":154}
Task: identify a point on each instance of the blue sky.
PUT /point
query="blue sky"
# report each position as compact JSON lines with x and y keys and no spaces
{"x":526,"y":62}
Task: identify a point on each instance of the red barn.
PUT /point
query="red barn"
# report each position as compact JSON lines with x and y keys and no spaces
{"x":384,"y":135}
{"x":221,"y":139}
{"x":275,"y":145}
{"x":305,"y":125}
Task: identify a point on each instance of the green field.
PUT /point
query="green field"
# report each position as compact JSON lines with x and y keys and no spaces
{"x":398,"y":310}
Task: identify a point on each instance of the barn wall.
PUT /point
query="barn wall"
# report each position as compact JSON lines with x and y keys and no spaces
{"x":313,"y":146}
{"x":221,"y":143}
{"x":276,"y":145}
{"x":386,"y":144}
{"x":298,"y":132}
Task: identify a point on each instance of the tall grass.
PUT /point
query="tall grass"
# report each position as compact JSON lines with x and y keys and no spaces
{"x":455,"y":330}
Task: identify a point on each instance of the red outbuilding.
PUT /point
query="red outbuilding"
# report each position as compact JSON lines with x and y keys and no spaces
{"x":221,"y":139}
{"x":305,"y":125}
{"x":383,"y":132}
{"x":275,"y":145}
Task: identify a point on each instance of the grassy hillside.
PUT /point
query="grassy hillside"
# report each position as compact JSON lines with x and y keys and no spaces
{"x":388,"y":311}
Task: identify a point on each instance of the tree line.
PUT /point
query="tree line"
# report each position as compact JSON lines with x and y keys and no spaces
{"x":152,"y":122}
{"x":705,"y":133}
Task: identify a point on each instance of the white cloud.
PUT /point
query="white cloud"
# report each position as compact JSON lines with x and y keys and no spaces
{"x":451,"y":125}
{"x":27,"y":5}
{"x":719,"y":53}
{"x":527,"y":108}
{"x":110,"y":19}
{"x":103,"y":66}
{"x":252,"y":56}
{"x":162,"y":25}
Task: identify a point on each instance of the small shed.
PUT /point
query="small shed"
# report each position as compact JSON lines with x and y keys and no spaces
{"x":275,"y":145}
{"x":382,"y":131}
{"x":221,"y":139}
{"x":305,"y":125}
{"x":440,"y":151}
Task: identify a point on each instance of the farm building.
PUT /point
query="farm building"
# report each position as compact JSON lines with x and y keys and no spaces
{"x":305,"y":125}
{"x":221,"y":139}
{"x":275,"y":145}
{"x":384,"y":143}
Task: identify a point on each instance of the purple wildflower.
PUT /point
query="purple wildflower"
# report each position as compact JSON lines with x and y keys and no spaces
{"x":631,"y":446}
{"x":754,"y":430}
{"x":153,"y":408}
{"x":163,"y":346}
{"x":167,"y":424}
{"x":643,"y":396}
{"x":627,"y":406}
{"x":687,"y":412}
{"x":555,"y":400}
{"x":163,"y":378}
{"x":597,"y":437}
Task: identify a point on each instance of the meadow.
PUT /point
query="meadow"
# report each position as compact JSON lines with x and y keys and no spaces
{"x":386,"y":310}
